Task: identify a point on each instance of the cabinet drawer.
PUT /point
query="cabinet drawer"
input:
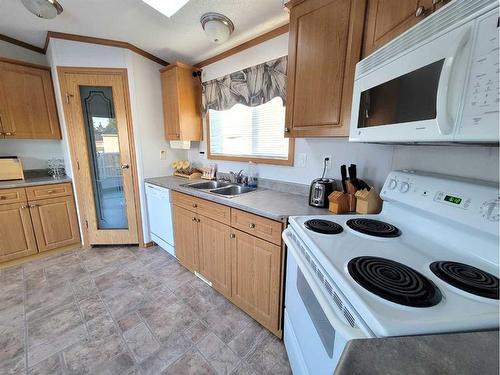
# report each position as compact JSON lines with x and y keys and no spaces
{"x":12,"y":196}
{"x":48,"y":191}
{"x":258,"y":226}
{"x":203,"y":207}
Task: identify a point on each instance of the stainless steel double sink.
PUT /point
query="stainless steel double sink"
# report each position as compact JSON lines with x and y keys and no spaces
{"x":228,"y":189}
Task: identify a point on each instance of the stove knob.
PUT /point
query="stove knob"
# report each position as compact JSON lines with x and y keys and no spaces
{"x":405,"y":186}
{"x":392,"y":184}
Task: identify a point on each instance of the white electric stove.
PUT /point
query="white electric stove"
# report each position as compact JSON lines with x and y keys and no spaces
{"x":428,"y":263}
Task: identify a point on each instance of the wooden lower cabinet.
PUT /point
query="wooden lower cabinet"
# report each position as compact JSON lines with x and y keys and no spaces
{"x":256,"y":278}
{"x":16,"y":232}
{"x":55,"y":223}
{"x":29,"y":226}
{"x":214,"y":252}
{"x":186,"y":237}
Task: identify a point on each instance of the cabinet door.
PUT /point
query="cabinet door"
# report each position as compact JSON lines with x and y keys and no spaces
{"x":386,"y":19}
{"x":215,"y":253}
{"x":186,"y":237}
{"x":17,"y":239}
{"x":55,"y":223}
{"x":256,"y":278}
{"x":170,"y":95}
{"x":324,"y":46}
{"x":28,"y":108}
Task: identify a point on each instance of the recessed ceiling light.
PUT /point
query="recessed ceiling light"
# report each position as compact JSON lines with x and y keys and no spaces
{"x":166,"y":7}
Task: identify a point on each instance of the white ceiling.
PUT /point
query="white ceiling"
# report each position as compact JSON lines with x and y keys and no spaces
{"x":178,"y":38}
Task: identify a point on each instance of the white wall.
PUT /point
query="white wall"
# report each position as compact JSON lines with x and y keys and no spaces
{"x":15,"y":52}
{"x":33,"y":153}
{"x":145,"y":100}
{"x":374,"y":161}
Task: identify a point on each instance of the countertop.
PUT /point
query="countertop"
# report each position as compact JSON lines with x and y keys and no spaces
{"x":33,"y":181}
{"x":456,"y":353}
{"x":272,"y":204}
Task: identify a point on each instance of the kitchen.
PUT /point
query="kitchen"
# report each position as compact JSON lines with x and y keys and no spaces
{"x":306,"y":187}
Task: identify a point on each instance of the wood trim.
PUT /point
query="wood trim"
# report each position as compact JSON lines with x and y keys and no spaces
{"x":45,"y":254}
{"x":22,"y":44}
{"x":149,"y":244}
{"x":24,"y":63}
{"x":243,"y":46}
{"x":288,"y":162}
{"x":61,"y":71}
{"x":101,"y":41}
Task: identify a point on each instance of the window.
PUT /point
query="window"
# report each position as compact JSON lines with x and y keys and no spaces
{"x":250,"y":133}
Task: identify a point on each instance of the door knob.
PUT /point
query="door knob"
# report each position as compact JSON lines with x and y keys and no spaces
{"x":125,"y":166}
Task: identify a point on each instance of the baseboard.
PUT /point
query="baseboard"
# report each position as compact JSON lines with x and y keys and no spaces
{"x":45,"y":254}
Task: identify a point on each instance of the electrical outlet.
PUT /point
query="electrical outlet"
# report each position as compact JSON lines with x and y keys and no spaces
{"x":163,"y":155}
{"x":329,"y":161}
{"x":301,"y":160}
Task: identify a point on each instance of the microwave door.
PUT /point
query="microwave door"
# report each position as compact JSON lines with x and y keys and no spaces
{"x":416,"y":96}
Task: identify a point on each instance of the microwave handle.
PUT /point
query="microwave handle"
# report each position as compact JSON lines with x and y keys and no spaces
{"x":446,"y":116}
{"x":340,"y":326}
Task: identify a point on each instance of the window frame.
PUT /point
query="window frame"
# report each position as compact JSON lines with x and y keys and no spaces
{"x":286,"y":162}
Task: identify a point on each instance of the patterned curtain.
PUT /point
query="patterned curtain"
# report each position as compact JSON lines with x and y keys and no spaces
{"x":251,"y":86}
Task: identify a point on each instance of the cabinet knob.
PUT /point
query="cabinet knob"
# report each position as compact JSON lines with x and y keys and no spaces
{"x":287,"y":130}
{"x":24,"y":206}
{"x":251,"y":225}
{"x":421,"y":11}
{"x":195,"y":205}
{"x":125,"y":166}
{"x":31,"y":205}
{"x":3,"y":197}
{"x":50,"y":191}
{"x":8,"y":134}
{"x":232,"y":235}
{"x":193,"y":219}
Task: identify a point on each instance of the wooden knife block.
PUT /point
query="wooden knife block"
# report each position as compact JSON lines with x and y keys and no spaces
{"x":368,"y":202}
{"x":351,"y":193}
{"x":339,"y":202}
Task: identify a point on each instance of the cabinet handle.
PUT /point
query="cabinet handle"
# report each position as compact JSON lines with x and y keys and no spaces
{"x":50,"y":191}
{"x":195,"y":205}
{"x":421,"y":11}
{"x":125,"y":166}
{"x":251,"y":225}
{"x":232,"y":235}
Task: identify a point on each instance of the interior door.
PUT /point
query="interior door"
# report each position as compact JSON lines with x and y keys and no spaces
{"x":96,"y":107}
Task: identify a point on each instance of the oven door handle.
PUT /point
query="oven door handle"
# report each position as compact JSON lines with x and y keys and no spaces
{"x":340,"y":326}
{"x":447,"y":86}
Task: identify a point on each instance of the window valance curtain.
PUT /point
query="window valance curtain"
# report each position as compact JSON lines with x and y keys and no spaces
{"x":251,"y":86}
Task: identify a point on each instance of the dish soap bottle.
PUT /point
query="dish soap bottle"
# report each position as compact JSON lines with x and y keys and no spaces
{"x":252,"y":175}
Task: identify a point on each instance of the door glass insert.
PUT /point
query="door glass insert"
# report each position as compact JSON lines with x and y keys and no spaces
{"x":407,"y":98}
{"x":104,"y":156}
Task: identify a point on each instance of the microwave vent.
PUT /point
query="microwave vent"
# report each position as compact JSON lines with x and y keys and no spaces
{"x":453,"y":15}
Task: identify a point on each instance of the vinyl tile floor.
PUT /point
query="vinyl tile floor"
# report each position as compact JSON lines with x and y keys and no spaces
{"x":125,"y":310}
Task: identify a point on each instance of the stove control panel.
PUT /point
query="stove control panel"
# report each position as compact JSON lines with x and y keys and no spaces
{"x":474,"y":203}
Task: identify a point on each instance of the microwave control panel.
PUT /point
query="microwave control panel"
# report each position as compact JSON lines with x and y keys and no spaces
{"x":482,"y":94}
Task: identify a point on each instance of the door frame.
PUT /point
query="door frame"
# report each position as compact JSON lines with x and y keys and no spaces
{"x":73,"y":141}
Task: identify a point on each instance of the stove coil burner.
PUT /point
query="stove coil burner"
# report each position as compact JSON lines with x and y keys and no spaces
{"x":394,"y":281}
{"x":323,"y":226}
{"x":467,"y":278}
{"x":373,"y":227}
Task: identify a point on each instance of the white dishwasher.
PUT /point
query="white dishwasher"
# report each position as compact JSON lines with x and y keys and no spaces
{"x":160,"y":217}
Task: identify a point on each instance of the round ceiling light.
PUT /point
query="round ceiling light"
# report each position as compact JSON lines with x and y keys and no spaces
{"x":217,"y":27}
{"x":43,"y":8}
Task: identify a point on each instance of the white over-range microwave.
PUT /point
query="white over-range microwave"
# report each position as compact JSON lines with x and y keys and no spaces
{"x":437,"y":82}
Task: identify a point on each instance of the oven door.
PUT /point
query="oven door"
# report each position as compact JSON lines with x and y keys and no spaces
{"x":315,"y":334}
{"x":417,"y":96}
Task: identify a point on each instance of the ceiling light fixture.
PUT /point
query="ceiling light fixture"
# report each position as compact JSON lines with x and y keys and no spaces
{"x":217,"y":27}
{"x":47,"y":9}
{"x":166,"y":7}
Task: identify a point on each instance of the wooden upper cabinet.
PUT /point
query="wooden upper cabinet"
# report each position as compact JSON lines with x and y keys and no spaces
{"x":27,"y":102}
{"x":181,"y":94}
{"x":16,"y":232}
{"x":386,"y":19}
{"x":324,"y":46}
{"x":215,"y":253}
